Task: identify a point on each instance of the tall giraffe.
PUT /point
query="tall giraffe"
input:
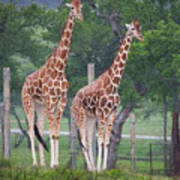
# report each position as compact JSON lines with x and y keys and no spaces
{"x":47,"y":87}
{"x":100,"y":100}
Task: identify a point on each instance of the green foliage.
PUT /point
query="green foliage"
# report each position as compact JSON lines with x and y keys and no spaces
{"x":30,"y":34}
{"x":157,"y":60}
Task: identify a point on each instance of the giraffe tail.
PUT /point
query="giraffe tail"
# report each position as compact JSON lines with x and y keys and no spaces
{"x":40,"y":138}
{"x":79,"y":138}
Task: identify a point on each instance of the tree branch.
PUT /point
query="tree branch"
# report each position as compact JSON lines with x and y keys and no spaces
{"x":13,"y":111}
{"x":112,"y":18}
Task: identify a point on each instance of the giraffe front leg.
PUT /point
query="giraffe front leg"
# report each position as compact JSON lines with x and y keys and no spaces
{"x":60,"y":110}
{"x":109,"y":127}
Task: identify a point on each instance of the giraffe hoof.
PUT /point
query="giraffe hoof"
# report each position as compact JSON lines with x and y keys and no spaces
{"x":43,"y":165}
{"x":35,"y":166}
{"x":92,"y":170}
{"x":56,"y":166}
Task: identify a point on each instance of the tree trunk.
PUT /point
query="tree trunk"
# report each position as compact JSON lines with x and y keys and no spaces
{"x":116,"y":135}
{"x":176,"y":144}
{"x":165,"y":137}
{"x":13,"y":112}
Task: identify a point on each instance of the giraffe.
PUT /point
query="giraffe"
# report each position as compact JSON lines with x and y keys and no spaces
{"x":100,"y":100}
{"x":45,"y":91}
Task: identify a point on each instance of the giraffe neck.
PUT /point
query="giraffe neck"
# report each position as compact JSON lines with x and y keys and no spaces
{"x":62,"y":51}
{"x":116,"y":69}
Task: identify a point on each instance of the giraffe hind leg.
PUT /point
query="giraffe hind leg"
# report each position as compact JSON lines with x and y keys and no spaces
{"x":80,"y":119}
{"x":101,"y":126}
{"x":89,"y":133}
{"x":41,"y":117}
{"x":29,"y":111}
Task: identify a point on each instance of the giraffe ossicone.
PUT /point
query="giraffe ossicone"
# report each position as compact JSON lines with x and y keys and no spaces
{"x":47,"y":87}
{"x":100,"y":100}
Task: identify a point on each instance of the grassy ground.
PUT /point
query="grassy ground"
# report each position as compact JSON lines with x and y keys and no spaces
{"x":21,"y":157}
{"x":8,"y":171}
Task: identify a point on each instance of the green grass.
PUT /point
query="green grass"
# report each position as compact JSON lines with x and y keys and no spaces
{"x":152,"y":125}
{"x":8,"y":171}
{"x":21,"y":157}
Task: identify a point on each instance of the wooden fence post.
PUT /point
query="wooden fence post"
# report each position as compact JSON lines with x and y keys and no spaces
{"x":73,"y":142}
{"x":2,"y":125}
{"x":91,"y":77}
{"x":133,"y":144}
{"x":150,"y":159}
{"x":5,"y":114}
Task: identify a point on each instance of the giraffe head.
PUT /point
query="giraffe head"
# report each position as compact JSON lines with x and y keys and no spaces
{"x":134,"y":30}
{"x":75,"y":7}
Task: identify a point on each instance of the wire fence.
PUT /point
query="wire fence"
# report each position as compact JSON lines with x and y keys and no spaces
{"x":152,"y":154}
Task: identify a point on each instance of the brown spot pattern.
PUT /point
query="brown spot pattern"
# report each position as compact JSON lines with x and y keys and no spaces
{"x":67,"y":34}
{"x":42,"y":73}
{"x":64,"y":85}
{"x":103,"y":101}
{"x":54,"y":74}
{"x":58,"y":91}
{"x":64,"y":53}
{"x":100,"y":93}
{"x":36,"y":83}
{"x":109,"y":89}
{"x":46,"y":79}
{"x":121,"y":50}
{"x":45,"y":89}
{"x":124,"y":43}
{"x":106,"y":81}
{"x":52,"y":92}
{"x":116,"y":80}
{"x":56,"y":83}
{"x":66,"y":43}
{"x":126,"y":47}
{"x":50,"y":83}
{"x":124,"y":56}
{"x":121,"y":64}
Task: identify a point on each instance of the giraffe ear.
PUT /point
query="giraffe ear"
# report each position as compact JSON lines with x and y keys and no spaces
{"x":69,"y":5}
{"x":127,"y":26}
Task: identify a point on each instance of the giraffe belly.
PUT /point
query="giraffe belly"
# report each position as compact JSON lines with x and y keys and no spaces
{"x":89,"y":104}
{"x":91,"y":111}
{"x":38,"y":99}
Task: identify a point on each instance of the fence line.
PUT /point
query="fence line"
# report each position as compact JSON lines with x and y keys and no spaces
{"x":124,"y":136}
{"x":5,"y":121}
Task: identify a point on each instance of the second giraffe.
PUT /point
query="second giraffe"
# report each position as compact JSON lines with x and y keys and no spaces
{"x":100,"y":100}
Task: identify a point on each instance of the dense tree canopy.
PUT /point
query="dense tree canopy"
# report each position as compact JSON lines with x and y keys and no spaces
{"x":30,"y":34}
